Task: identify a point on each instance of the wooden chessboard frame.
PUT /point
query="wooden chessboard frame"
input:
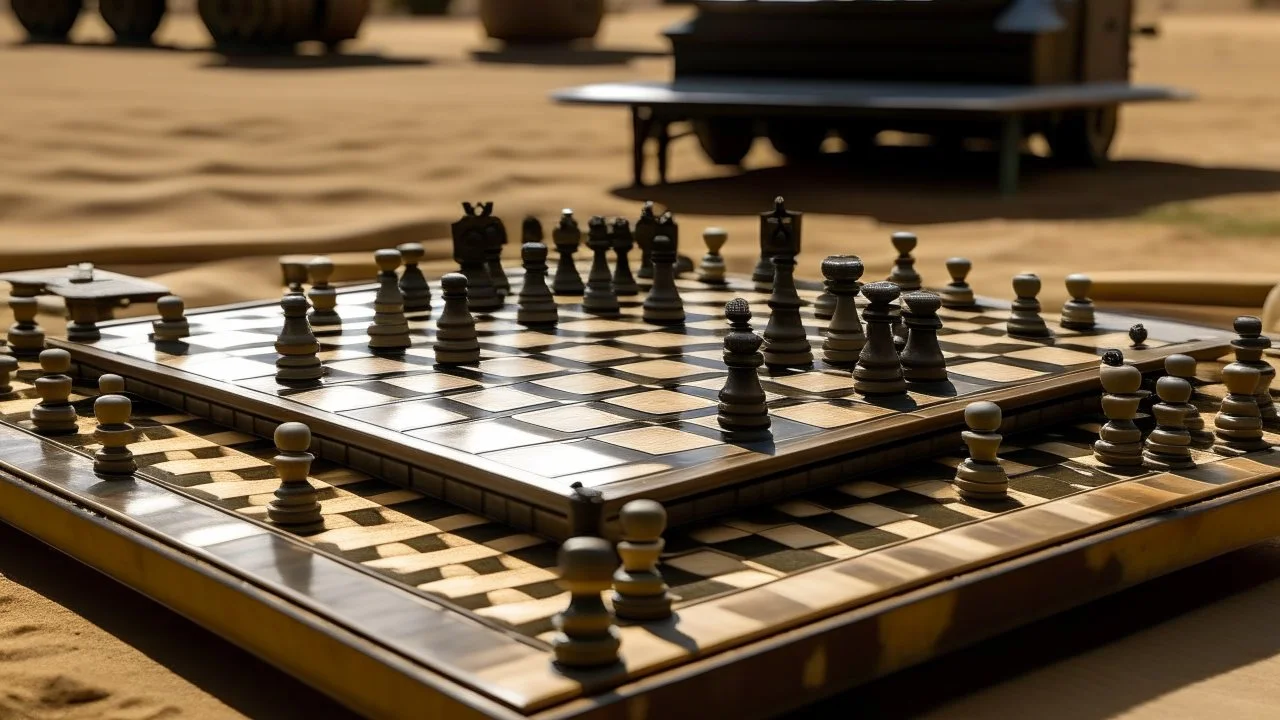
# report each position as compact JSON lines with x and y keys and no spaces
{"x":524,"y":500}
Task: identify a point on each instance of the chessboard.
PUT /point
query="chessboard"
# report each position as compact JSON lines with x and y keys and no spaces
{"x":842,"y":583}
{"x":614,"y":404}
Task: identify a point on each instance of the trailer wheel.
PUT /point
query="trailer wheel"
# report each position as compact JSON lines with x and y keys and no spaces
{"x":1083,"y":138}
{"x":726,"y":141}
{"x":47,"y":20}
{"x":134,"y":22}
{"x":797,"y":139}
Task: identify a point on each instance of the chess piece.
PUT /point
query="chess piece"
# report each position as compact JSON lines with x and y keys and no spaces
{"x":537,"y":304}
{"x":173,"y":325}
{"x":54,"y":414}
{"x":600,"y":299}
{"x":1119,"y":443}
{"x":82,"y":320}
{"x":8,"y":369}
{"x":495,"y":234}
{"x":1168,"y":447}
{"x":922,"y":358}
{"x":323,"y":296}
{"x":114,"y":433}
{"x":1077,"y":313}
{"x":663,"y":305}
{"x":295,"y":274}
{"x":845,"y":338}
{"x":298,"y":363}
{"x":743,"y":413}
{"x":1138,"y":337}
{"x":786,"y":343}
{"x":624,"y":285}
{"x":879,"y":371}
{"x":1183,"y":367}
{"x":413,"y":284}
{"x":957,"y":294}
{"x":456,"y":339}
{"x":711,"y":269}
{"x":110,"y":384}
{"x":389,"y":331}
{"x":646,"y":231}
{"x":26,"y":338}
{"x":779,"y":218}
{"x":980,"y":476}
{"x":1238,"y":424}
{"x":639,"y":592}
{"x":586,"y":511}
{"x":904,"y":273}
{"x":1024,"y":316}
{"x":1250,"y":345}
{"x":567,"y":237}
{"x":531,"y":230}
{"x":586,"y":635}
{"x":296,"y":505}
{"x":668,"y":228}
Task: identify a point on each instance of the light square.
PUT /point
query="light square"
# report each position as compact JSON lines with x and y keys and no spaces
{"x":499,"y":399}
{"x":1054,"y":356}
{"x":872,"y":514}
{"x":996,"y":372}
{"x":815,"y":382}
{"x":980,"y":340}
{"x":373,"y":366}
{"x":432,"y":382}
{"x":555,"y":459}
{"x":584,"y":383}
{"x":663,"y":369}
{"x":590,"y":353}
{"x":825,"y":415}
{"x":338,"y":398}
{"x":661,"y":402}
{"x":598,"y":325}
{"x":666,"y":339}
{"x":516,"y":367}
{"x":572,"y":418}
{"x":796,"y":536}
{"x":657,"y":440}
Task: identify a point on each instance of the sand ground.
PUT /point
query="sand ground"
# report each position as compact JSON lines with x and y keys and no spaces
{"x":179,"y":165}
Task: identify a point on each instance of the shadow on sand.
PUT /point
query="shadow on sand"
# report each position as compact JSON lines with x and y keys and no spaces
{"x":288,"y":60}
{"x":559,"y":55}
{"x":922,"y":185}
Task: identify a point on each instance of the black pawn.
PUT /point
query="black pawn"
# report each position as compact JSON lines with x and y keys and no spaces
{"x":481,"y":295}
{"x":646,"y":231}
{"x":904,"y":273}
{"x":567,"y":237}
{"x":1024,"y":316}
{"x":624,"y":285}
{"x":1138,"y":336}
{"x":495,"y":236}
{"x":413,"y":284}
{"x":456,"y":340}
{"x":879,"y":371}
{"x":786,"y":342}
{"x":663,"y":305}
{"x":531,"y":230}
{"x":600,"y":298}
{"x":537,"y":304}
{"x":845,"y":337}
{"x":922,"y":358}
{"x":743,"y":409}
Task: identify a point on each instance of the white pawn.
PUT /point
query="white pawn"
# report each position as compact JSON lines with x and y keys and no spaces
{"x":1238,"y":423}
{"x":54,"y":415}
{"x":711,"y":269}
{"x":296,"y":505}
{"x":586,"y":635}
{"x":1184,"y":367}
{"x":958,"y":294}
{"x":1077,"y":313}
{"x":323,"y":296}
{"x":26,"y":338}
{"x":981,"y":476}
{"x":298,"y":363}
{"x":8,"y":368}
{"x":114,"y":433}
{"x":389,"y":331}
{"x":413,"y":284}
{"x":456,"y":339}
{"x":1119,"y":441}
{"x":1168,"y":447}
{"x":110,"y":385}
{"x":639,"y":592}
{"x":173,"y":324}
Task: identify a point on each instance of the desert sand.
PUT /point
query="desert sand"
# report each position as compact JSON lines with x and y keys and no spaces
{"x":197,"y":171}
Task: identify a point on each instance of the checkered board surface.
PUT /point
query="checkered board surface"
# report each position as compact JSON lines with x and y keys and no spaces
{"x":508,"y":576}
{"x":595,"y":400}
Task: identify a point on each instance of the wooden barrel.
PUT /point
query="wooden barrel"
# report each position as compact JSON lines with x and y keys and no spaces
{"x":263,"y":24}
{"x":220,"y":20}
{"x":548,"y":21}
{"x":47,"y":20}
{"x":339,"y":20}
{"x":134,"y":22}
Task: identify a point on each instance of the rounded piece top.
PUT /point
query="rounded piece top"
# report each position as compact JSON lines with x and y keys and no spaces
{"x":294,"y":305}
{"x":454,"y":282}
{"x":842,"y":267}
{"x":904,"y":242}
{"x":1138,"y":334}
{"x":1182,"y":366}
{"x":1026,"y":285}
{"x":388,"y":259}
{"x":587,"y":559}
{"x":1241,"y":379}
{"x":110,"y":384}
{"x":1121,"y":379}
{"x":883,"y":292}
{"x":293,"y":437}
{"x":533,"y":252}
{"x":1078,"y":286}
{"x":112,"y":409}
{"x":959,"y":268}
{"x":531,"y":228}
{"x":737,"y":311}
{"x":171,"y":307}
{"x":320,"y":269}
{"x":642,"y":520}
{"x":8,"y":363}
{"x":922,"y":302}
{"x":1172,"y":389}
{"x":1248,"y":325}
{"x":715,"y":233}
{"x":55,"y":360}
{"x":412,"y":252}
{"x":983,"y":416}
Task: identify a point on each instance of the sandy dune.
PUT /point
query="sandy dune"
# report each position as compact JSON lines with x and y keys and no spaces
{"x":179,"y":165}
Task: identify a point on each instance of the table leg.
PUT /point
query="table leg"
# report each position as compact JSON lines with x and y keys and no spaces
{"x":1010,"y":154}
{"x":664,"y":142}
{"x":83,"y":325}
{"x":641,"y":126}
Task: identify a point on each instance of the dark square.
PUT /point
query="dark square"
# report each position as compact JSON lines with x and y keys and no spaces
{"x":791,"y":560}
{"x":869,"y":538}
{"x":750,"y":547}
{"x":831,"y":524}
{"x":1041,"y":486}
